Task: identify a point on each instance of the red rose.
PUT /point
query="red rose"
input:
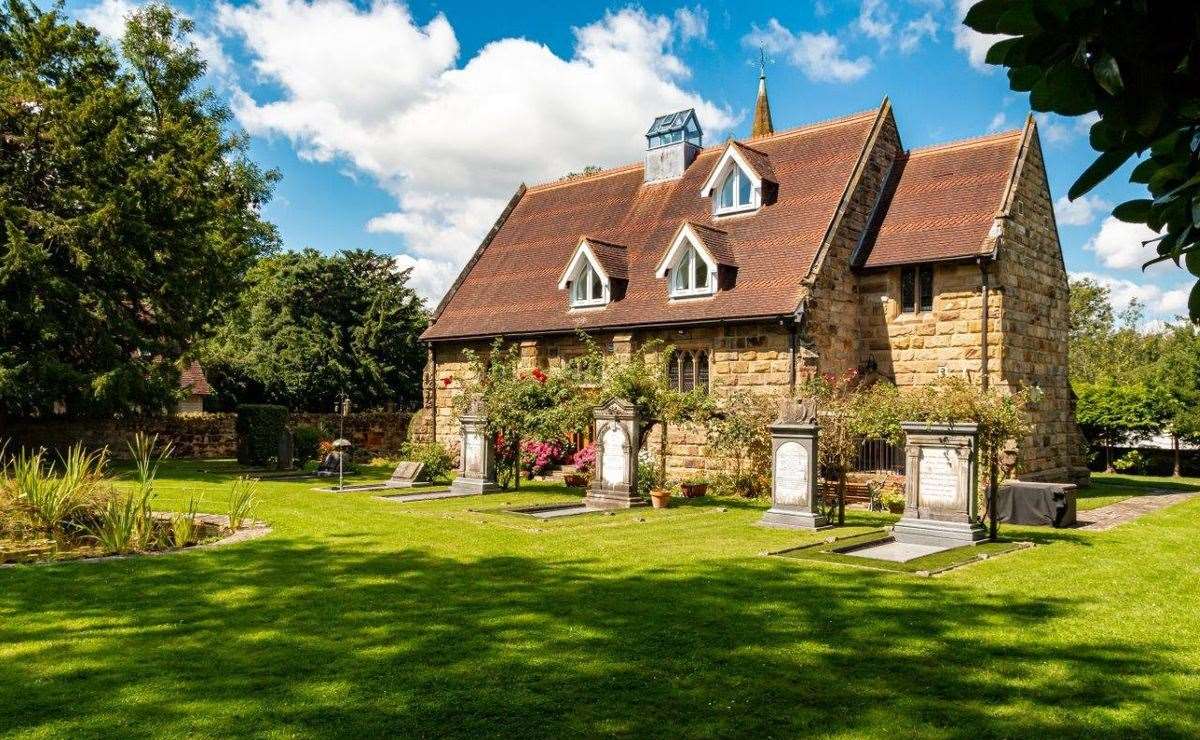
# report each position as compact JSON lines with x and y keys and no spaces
{"x":538,"y":375}
{"x":446,"y":382}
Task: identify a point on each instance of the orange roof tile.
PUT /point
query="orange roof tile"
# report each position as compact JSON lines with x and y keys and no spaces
{"x":941,"y":202}
{"x":519,"y":269}
{"x":193,"y":381}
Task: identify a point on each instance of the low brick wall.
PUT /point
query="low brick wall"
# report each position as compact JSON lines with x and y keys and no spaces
{"x":193,"y":435}
{"x":377,"y":433}
{"x":200,"y":435}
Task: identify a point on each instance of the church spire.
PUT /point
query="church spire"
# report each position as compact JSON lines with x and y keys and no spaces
{"x":762,"y":107}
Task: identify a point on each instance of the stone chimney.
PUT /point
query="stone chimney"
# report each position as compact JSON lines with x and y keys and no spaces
{"x":671,"y":144}
{"x":762,"y":111}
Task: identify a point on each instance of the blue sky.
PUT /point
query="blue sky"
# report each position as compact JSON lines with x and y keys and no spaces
{"x":404,"y":127}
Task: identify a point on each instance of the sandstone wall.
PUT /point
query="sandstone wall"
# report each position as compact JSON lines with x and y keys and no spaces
{"x":1034,"y":326}
{"x":831,"y":332}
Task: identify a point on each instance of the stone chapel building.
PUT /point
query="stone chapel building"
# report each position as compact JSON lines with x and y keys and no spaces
{"x":816,"y":249}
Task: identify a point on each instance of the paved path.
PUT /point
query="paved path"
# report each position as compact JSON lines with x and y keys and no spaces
{"x":1107,"y":517}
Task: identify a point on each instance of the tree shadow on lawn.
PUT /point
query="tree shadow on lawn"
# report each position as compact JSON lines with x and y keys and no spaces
{"x":294,"y":637}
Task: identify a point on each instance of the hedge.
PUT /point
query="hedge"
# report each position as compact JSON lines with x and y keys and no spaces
{"x":259,"y":426}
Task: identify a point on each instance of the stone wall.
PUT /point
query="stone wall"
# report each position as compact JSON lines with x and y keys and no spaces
{"x":1035,"y":324}
{"x":193,"y":435}
{"x":831,"y":331}
{"x":198,"y":435}
{"x":753,"y":356}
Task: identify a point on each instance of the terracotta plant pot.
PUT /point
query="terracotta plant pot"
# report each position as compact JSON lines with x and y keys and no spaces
{"x":660,"y":499}
{"x":575,"y":480}
{"x":694,"y":490}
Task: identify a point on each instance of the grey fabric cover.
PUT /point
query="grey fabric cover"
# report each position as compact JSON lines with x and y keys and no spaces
{"x":1042,"y":504}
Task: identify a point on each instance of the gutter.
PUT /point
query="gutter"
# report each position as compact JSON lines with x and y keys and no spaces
{"x":619,"y":327}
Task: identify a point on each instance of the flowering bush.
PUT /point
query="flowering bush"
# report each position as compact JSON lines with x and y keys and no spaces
{"x":537,"y":456}
{"x":584,"y":460}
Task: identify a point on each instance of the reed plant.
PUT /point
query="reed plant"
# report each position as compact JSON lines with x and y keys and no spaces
{"x":183,"y":526}
{"x":242,"y":497}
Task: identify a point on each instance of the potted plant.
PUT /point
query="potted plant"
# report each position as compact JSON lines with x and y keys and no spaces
{"x":893,"y":501}
{"x":694,"y":487}
{"x":584,"y":461}
{"x":660,"y":497}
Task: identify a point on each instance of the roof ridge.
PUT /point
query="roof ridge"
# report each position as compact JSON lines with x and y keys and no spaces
{"x":605,"y":242}
{"x":542,"y":187}
{"x":704,"y":226}
{"x":966,"y":142}
{"x":735,"y":142}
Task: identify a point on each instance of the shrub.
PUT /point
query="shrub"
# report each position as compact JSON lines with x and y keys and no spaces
{"x":241,"y":501}
{"x":538,"y":456}
{"x":306,"y":443}
{"x":739,"y":431}
{"x":48,"y":501}
{"x":259,"y":426}
{"x":1132,"y":462}
{"x":438,"y":462}
{"x":585,"y":459}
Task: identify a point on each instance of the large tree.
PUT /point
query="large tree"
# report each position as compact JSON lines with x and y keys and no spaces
{"x":1137,"y":64}
{"x":309,"y":327}
{"x":128,"y":209}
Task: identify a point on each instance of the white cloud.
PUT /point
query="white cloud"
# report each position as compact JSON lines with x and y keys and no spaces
{"x":916,"y":30}
{"x":373,"y":89}
{"x":820,"y":56}
{"x":1159,"y":302}
{"x":108,"y":17}
{"x":972,"y":43}
{"x":1081,"y":211}
{"x":692,"y":23}
{"x":999,"y":121}
{"x":876,"y":20}
{"x":1119,"y":245}
{"x":1054,"y":129}
{"x":429,"y":278}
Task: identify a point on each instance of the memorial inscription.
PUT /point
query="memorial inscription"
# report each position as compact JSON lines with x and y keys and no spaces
{"x":938,"y":476}
{"x":612,"y":465}
{"x":791,"y":475}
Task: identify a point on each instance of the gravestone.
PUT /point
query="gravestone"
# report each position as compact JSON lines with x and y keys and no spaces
{"x":478,"y":469}
{"x":794,"y":469}
{"x":617,"y":443}
{"x":406,"y":472}
{"x":284,"y":459}
{"x":940,"y":506}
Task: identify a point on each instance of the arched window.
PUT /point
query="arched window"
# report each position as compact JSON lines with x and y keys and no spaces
{"x":587,"y":288}
{"x":735,"y":191}
{"x":688,"y":369}
{"x":691,"y":275}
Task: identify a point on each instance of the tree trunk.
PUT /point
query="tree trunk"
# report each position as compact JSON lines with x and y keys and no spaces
{"x":1175,"y":445}
{"x":841,"y":496}
{"x":1108,"y":466}
{"x":662,"y":455}
{"x":517,"y":464}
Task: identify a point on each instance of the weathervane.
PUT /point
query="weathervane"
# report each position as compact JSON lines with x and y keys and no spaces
{"x":763,"y":60}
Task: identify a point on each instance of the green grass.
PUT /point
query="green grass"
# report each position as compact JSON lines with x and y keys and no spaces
{"x":1109,"y":488}
{"x":835,"y":552}
{"x":363,"y":617}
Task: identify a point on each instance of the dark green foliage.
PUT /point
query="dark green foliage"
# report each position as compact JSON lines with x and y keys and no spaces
{"x":309,"y":327}
{"x":1138,"y":65}
{"x":128,"y":211}
{"x":259,"y":426}
{"x":306,"y":443}
{"x":1109,"y":413}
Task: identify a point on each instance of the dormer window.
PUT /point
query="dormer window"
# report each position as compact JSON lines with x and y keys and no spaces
{"x":691,"y":275}
{"x":587,"y":289}
{"x":736,"y":181}
{"x":734,"y":193}
{"x":596,"y":270}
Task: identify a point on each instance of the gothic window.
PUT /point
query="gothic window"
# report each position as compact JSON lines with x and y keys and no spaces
{"x":734,"y":192}
{"x":916,"y":288}
{"x":688,"y":369}
{"x":587,"y":289}
{"x":691,"y":275}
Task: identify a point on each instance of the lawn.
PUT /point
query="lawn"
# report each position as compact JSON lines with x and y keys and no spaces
{"x":362,"y":617}
{"x":1110,"y":488}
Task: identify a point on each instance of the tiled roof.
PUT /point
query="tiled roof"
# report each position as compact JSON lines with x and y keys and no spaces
{"x":757,"y":160}
{"x":512,"y":287}
{"x":614,"y":258}
{"x":716,"y":242}
{"x":193,"y":381}
{"x":942,"y":203}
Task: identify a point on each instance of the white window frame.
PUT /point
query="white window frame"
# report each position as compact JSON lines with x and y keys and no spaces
{"x":583,"y":261}
{"x":730,"y":161}
{"x":685,"y":243}
{"x":686,"y":260}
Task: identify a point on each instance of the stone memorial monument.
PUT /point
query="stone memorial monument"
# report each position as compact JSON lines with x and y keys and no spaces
{"x":618,"y":433}
{"x":794,"y":469}
{"x":478,"y":469}
{"x":940,"y":506}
